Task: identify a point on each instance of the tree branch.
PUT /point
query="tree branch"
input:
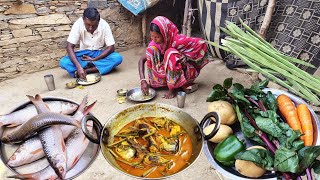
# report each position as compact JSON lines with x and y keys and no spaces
{"x":267,"y":18}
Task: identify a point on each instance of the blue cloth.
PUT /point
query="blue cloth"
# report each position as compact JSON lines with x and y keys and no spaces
{"x":104,"y":65}
{"x":137,"y":6}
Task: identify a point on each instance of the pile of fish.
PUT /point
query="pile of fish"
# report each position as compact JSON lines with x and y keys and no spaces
{"x":46,"y":129}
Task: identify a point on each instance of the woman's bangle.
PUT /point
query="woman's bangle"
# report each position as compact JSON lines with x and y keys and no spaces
{"x":142,"y":80}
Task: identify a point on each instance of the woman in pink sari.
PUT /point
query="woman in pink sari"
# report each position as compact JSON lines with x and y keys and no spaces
{"x":173,"y":60}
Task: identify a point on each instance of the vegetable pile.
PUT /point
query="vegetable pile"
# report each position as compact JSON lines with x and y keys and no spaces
{"x":262,"y":57}
{"x":274,"y":123}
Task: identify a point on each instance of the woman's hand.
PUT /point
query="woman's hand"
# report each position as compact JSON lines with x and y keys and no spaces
{"x":145,"y":87}
{"x":87,"y":58}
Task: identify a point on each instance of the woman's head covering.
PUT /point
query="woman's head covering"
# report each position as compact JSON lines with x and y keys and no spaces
{"x":168,"y":30}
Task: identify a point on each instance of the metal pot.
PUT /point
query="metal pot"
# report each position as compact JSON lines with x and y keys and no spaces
{"x":119,"y":120}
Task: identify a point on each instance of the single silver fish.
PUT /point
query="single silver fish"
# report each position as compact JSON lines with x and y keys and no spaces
{"x":76,"y":144}
{"x":31,"y":150}
{"x":21,"y":116}
{"x":55,"y":149}
{"x":36,"y":124}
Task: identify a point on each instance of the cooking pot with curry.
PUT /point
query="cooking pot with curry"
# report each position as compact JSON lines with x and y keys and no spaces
{"x":151,"y":140}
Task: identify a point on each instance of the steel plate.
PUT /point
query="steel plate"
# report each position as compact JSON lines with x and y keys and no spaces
{"x":137,"y":95}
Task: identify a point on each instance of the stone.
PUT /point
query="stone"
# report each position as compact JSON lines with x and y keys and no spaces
{"x":39,"y":57}
{"x":2,"y":9}
{"x":66,"y":9}
{"x":19,"y":40}
{"x":6,"y":36}
{"x":22,"y":32}
{"x":13,"y":27}
{"x":41,"y":1}
{"x":53,"y":7}
{"x":3,"y":25}
{"x":21,"y":9}
{"x":10,"y":46}
{"x":9,"y":50}
{"x":48,"y":19}
{"x":62,"y":28}
{"x":36,"y":49}
{"x":101,"y":4}
{"x":83,"y":6}
{"x":9,"y":17}
{"x":54,"y":34}
{"x":43,"y":11}
{"x":58,"y":54}
{"x":11,"y":69}
{"x":44,"y":29}
{"x":111,"y":14}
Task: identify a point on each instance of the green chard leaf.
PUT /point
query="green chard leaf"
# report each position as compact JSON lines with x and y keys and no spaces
{"x":238,"y":94}
{"x":227,"y":83}
{"x":316,"y":166}
{"x":307,"y":156}
{"x":286,"y":160}
{"x":270,"y":101}
{"x":289,"y":136}
{"x":261,"y":157}
{"x":246,"y":128}
{"x":268,"y":126}
{"x":217,"y":93}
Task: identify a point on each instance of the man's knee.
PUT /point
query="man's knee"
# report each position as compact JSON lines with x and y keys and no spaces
{"x":64,"y":61}
{"x":118,"y":58}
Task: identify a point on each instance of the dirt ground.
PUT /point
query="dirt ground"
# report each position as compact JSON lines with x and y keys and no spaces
{"x":13,"y":92}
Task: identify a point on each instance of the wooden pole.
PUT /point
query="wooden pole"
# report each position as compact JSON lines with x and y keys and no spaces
{"x":185,"y":17}
{"x":267,"y":18}
{"x":144,"y":29}
{"x":190,"y":12}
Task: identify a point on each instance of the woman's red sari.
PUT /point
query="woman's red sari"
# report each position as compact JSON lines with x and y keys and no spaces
{"x":183,"y":57}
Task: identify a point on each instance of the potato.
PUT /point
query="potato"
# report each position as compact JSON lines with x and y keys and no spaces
{"x":222,"y":133}
{"x":248,"y":168}
{"x":225,"y":111}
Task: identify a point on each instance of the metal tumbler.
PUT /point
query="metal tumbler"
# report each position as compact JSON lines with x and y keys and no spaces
{"x":181,"y":98}
{"x":50,"y":82}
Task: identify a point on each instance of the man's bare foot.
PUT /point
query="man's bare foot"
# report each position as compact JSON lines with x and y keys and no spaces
{"x":170,"y":94}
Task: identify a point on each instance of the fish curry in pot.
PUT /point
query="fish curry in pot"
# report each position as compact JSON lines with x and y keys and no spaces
{"x":151,"y":147}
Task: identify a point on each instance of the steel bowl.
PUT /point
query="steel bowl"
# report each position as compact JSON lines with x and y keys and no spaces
{"x":85,"y":161}
{"x":122,"y":92}
{"x":230,"y":172}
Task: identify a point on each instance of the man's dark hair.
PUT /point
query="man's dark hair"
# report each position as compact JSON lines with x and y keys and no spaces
{"x":154,"y":28}
{"x":91,"y":13}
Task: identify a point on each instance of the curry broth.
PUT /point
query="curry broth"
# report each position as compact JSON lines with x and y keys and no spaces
{"x":176,"y":159}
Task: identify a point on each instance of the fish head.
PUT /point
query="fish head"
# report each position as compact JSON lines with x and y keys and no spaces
{"x":60,"y":165}
{"x":68,"y":108}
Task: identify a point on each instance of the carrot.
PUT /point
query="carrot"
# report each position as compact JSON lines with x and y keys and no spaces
{"x":306,"y":124}
{"x":288,"y":110}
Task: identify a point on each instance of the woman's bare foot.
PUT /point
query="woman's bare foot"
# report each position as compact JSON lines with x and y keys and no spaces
{"x":170,"y":94}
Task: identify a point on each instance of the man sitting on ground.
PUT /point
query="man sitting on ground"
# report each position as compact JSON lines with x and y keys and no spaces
{"x":96,"y":52}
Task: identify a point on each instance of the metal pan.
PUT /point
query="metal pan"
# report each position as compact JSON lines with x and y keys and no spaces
{"x":230,"y":172}
{"x":119,"y":120}
{"x":88,"y":157}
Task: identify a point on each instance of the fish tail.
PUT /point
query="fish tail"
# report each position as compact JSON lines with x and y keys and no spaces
{"x":88,"y":108}
{"x":22,"y":176}
{"x":83,"y":104}
{"x":31,"y":98}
